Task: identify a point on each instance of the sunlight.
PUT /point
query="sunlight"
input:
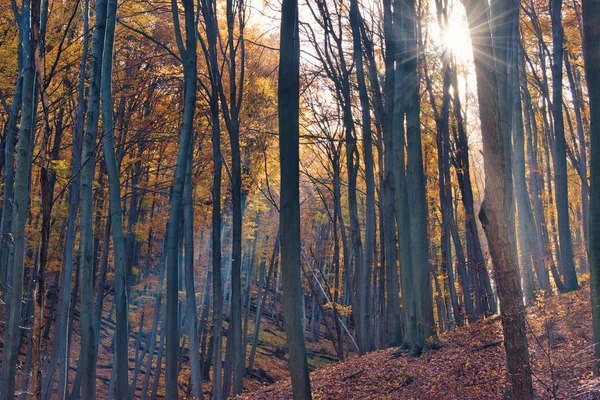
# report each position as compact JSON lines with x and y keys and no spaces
{"x":456,"y":37}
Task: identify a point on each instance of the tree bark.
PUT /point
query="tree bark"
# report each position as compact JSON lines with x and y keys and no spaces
{"x":116,"y":210}
{"x":591,"y":41}
{"x":190,"y":292}
{"x":19,"y":218}
{"x":560,"y":158}
{"x":188,"y":55}
{"x":392,"y":287}
{"x":496,"y":204}
{"x":363,"y":283}
{"x":289,"y":158}
{"x":86,"y":243}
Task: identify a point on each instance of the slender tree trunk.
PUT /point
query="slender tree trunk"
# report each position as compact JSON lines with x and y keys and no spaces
{"x":560,"y":158}
{"x":10,"y":139}
{"x":19,"y":219}
{"x":400,"y":183}
{"x":289,"y":158}
{"x":158,"y":371}
{"x":476,"y":277}
{"x":392,"y":288}
{"x":591,"y":40}
{"x":535,"y":178}
{"x":86,"y":241}
{"x":527,"y":234}
{"x":501,"y":23}
{"x":150,"y":342}
{"x":209,"y":12}
{"x":190,"y":292}
{"x":116,"y":210}
{"x":363,"y":283}
{"x":248,"y":290}
{"x":417,"y":193}
{"x":262,"y":301}
{"x":189,"y":58}
{"x":46,"y":209}
{"x":496,"y":204}
{"x":59,"y":346}
{"x":231,"y":116}
{"x":575,"y":84}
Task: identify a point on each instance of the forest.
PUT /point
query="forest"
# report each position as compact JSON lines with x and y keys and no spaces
{"x":307,"y":199}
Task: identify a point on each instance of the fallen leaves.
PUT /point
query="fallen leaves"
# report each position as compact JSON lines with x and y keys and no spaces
{"x":471,"y":363}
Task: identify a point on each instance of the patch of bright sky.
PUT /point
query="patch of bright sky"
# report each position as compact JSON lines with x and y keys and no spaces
{"x":455,"y":39}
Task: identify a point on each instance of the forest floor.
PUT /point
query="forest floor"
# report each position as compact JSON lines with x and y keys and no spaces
{"x":471,"y":362}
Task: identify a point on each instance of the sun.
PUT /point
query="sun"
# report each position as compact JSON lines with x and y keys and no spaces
{"x":456,"y":37}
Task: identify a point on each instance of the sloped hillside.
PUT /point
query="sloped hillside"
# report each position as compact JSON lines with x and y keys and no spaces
{"x":471,"y":363}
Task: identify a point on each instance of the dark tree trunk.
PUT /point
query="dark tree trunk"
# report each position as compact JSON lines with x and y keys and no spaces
{"x":19,"y":219}
{"x":289,"y":158}
{"x":560,"y":157}
{"x":496,"y":204}
{"x":394,"y":316}
{"x":591,"y":42}
{"x":189,"y":59}
{"x":364,"y":270}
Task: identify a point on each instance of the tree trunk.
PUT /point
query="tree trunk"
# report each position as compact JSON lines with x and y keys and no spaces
{"x":496,"y":204}
{"x":10,"y":138}
{"x":400,"y":184}
{"x":591,"y":40}
{"x":189,"y":59}
{"x":541,"y":230}
{"x":19,"y":219}
{"x":530,"y":248}
{"x":116,"y":210}
{"x":289,"y":158}
{"x":190,"y":292}
{"x":476,"y":277}
{"x":394,"y":316}
{"x":261,"y":302}
{"x":59,"y":346}
{"x":560,"y":158}
{"x":417,"y":193}
{"x":86,"y":243}
{"x":363,"y":283}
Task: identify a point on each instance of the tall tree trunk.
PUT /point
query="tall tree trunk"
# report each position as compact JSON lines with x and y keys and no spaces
{"x":209,"y":12}
{"x":476,"y":278}
{"x":400,"y":184}
{"x":190,"y":292}
{"x":417,"y":193}
{"x":501,"y":23}
{"x":443,"y":139}
{"x":560,"y":157}
{"x":19,"y":219}
{"x":363,"y":283}
{"x":189,"y":59}
{"x":530,"y":249}
{"x":10,"y":138}
{"x":289,"y":158}
{"x":86,"y":241}
{"x":46,"y":208}
{"x":116,"y":210}
{"x":591,"y":41}
{"x":535,"y":178}
{"x":392,"y":288}
{"x":496,"y":205}
{"x":59,"y":346}
{"x":231,"y":112}
{"x":575,"y":84}
{"x":261,"y":302}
